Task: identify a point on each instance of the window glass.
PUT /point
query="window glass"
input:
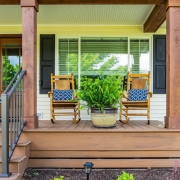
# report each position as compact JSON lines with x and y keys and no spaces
{"x":104,"y":55}
{"x":11,"y":62}
{"x":139,"y":56}
{"x":68,"y":56}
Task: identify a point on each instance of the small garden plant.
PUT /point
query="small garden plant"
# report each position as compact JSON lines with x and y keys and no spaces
{"x":59,"y":178}
{"x":125,"y":176}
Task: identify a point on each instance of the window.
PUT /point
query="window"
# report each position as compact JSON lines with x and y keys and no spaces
{"x":68,"y":56}
{"x":139,"y":56}
{"x":11,"y":61}
{"x":104,"y":55}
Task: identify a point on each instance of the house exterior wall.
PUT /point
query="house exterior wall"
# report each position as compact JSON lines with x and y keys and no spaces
{"x":158,"y":101}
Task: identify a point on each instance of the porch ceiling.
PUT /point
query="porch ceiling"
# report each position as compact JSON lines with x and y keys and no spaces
{"x":118,"y":15}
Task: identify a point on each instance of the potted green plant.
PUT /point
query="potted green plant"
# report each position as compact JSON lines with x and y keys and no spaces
{"x":102,"y":96}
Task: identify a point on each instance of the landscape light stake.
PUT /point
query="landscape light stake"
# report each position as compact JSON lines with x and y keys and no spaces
{"x":88,"y":166}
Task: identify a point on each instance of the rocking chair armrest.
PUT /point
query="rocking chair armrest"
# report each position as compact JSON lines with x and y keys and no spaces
{"x":123,"y":95}
{"x":50,"y":94}
{"x":149,"y":93}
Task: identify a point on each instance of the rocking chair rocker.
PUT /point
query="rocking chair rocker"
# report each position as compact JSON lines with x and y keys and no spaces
{"x":137,"y":98}
{"x":61,"y":98}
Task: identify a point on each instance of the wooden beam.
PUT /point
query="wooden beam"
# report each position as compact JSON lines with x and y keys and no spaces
{"x":9,"y":2}
{"x":1,"y":66}
{"x":172,"y":118}
{"x":101,"y":1}
{"x":29,"y":63}
{"x":172,"y":3}
{"x":10,"y":35}
{"x":15,"y":2}
{"x":30,"y":3}
{"x":156,"y":18}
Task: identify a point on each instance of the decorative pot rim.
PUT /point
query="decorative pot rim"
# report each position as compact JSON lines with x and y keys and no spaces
{"x":106,"y":110}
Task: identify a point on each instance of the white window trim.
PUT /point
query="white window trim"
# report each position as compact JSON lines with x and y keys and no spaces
{"x":150,"y":37}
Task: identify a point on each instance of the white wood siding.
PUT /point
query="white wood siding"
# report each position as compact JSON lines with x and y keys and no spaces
{"x":157,"y":109}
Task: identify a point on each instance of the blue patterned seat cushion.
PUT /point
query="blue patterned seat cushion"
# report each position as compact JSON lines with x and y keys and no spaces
{"x":62,"y":94}
{"x":137,"y":95}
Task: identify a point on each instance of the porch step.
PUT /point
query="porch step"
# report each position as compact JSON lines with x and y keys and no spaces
{"x":14,"y":176}
{"x":19,"y":159}
{"x":104,"y":163}
{"x":21,"y":149}
{"x":16,"y":165}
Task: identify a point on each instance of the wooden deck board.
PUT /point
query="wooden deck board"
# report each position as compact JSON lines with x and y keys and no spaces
{"x":73,"y":126}
{"x":86,"y":125}
{"x":136,"y":125}
{"x":81,"y":125}
{"x":65,"y":125}
{"x":144,"y":124}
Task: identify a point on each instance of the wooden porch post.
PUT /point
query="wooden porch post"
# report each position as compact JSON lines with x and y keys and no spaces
{"x":29,"y":60}
{"x":172,"y":118}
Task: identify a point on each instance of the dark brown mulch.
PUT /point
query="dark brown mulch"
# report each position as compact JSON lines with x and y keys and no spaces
{"x":99,"y":174}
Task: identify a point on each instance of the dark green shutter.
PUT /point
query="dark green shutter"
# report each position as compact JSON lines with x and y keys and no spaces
{"x":47,"y":61}
{"x":159,"y":64}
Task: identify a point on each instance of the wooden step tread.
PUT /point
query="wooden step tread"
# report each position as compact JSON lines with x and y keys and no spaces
{"x":15,"y":158}
{"x":21,"y":143}
{"x":14,"y":176}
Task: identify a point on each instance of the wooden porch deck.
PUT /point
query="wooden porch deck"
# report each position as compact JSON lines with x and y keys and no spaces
{"x":133,"y":145}
{"x":85,"y":125}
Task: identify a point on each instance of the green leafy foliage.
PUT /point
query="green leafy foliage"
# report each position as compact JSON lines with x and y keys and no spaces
{"x":35,"y":173}
{"x":102,"y":92}
{"x":9,"y":70}
{"x":59,"y":178}
{"x":126,"y":176}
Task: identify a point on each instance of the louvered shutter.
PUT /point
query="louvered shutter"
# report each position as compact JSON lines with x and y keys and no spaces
{"x":159,"y":64}
{"x":47,"y":61}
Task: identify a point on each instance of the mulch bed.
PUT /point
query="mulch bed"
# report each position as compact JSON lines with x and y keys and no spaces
{"x":99,"y":174}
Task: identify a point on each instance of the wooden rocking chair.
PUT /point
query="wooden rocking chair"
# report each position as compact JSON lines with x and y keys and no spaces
{"x":137,"y":98}
{"x":61,"y":97}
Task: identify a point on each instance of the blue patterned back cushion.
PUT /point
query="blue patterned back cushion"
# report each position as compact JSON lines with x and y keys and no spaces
{"x":137,"y":95}
{"x":62,"y":94}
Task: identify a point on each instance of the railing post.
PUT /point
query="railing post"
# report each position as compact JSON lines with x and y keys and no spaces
{"x":5,"y":135}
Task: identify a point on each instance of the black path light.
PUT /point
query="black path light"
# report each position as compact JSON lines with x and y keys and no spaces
{"x":88,"y":166}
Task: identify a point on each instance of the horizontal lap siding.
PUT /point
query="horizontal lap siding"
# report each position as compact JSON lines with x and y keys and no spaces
{"x":158,"y":109}
{"x":158,"y":106}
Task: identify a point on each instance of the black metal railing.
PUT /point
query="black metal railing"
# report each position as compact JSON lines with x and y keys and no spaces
{"x":12,"y":119}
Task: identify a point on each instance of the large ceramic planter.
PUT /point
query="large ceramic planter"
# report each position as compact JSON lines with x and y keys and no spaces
{"x":106,"y":119}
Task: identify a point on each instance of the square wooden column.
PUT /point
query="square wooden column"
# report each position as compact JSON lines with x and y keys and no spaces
{"x":29,"y":61}
{"x":172,"y":118}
